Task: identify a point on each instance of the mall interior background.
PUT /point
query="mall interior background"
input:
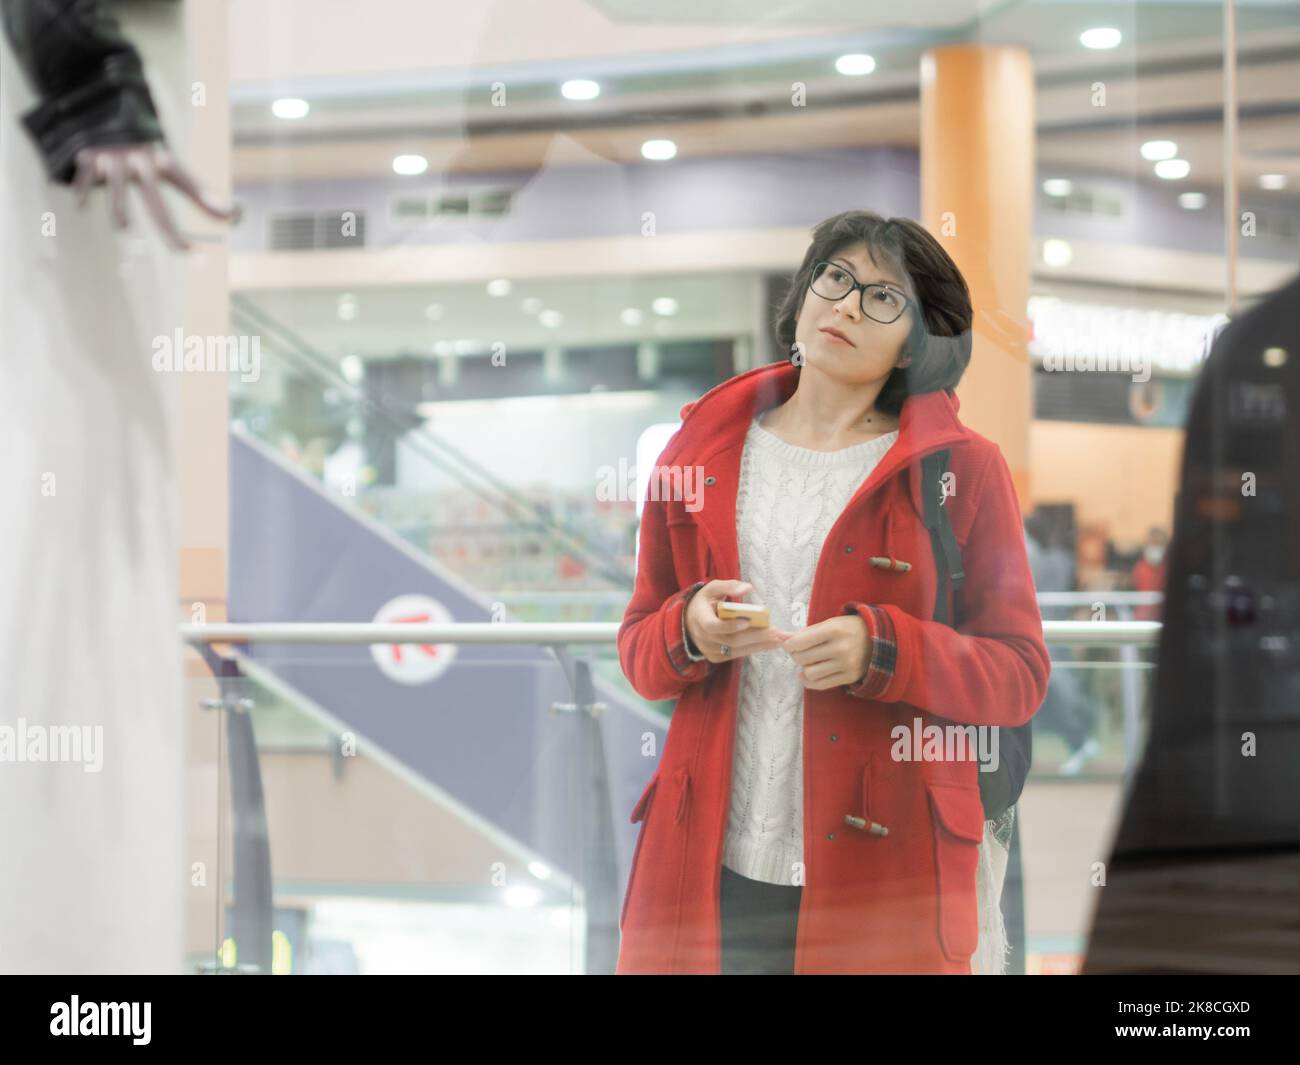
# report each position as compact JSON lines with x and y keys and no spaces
{"x":425,"y":184}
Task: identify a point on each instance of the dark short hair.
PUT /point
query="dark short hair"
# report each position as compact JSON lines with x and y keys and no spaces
{"x":939,"y":344}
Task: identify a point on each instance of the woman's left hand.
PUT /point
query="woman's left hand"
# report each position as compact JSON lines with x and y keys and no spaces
{"x":833,"y":653}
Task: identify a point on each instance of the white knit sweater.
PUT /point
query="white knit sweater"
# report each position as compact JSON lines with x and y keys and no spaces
{"x":787,"y":500}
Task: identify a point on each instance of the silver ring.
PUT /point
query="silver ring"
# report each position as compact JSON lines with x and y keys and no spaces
{"x":724,"y":649}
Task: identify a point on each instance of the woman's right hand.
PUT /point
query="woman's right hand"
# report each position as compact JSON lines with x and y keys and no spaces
{"x":708,"y":632}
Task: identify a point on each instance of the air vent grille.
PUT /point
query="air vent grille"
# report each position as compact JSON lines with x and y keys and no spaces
{"x":442,"y":205}
{"x":313,"y":230}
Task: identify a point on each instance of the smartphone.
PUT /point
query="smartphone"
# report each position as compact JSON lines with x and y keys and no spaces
{"x":759,"y":618}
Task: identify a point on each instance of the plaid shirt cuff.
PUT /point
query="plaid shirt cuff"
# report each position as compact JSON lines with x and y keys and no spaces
{"x":884,"y":651}
{"x":680,"y":652}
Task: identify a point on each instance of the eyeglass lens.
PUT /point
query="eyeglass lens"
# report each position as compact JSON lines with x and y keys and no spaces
{"x":877,"y":301}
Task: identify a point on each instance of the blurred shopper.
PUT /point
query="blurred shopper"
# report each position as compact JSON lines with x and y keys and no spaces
{"x":811,"y":506}
{"x":1068,"y":710}
{"x":1205,"y":871}
{"x":1151,"y":572}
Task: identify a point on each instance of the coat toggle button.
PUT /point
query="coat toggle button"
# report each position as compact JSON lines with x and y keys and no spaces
{"x":866,"y":826}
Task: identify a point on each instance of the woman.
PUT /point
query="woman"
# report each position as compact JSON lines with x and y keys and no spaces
{"x":802,"y":819}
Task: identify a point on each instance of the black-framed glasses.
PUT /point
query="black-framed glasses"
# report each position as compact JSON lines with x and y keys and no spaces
{"x":879,"y":302}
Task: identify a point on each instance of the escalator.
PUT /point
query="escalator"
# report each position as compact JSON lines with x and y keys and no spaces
{"x":473,"y":726}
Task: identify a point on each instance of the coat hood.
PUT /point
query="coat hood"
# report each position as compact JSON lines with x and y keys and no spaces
{"x":720,"y":419}
{"x":723,"y":414}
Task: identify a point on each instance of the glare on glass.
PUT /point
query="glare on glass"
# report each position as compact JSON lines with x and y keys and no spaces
{"x":879,"y":302}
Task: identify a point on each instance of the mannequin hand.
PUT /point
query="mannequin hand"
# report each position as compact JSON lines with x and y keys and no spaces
{"x":832,"y":653}
{"x":148,"y":165}
{"x":708,"y":631}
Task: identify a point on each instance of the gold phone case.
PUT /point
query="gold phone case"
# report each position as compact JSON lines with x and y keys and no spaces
{"x":726,"y":611}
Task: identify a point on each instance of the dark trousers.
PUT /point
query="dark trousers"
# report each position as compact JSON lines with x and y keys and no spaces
{"x":759,"y":921}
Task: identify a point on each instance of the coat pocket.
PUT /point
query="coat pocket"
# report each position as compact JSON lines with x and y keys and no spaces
{"x":692,"y":560}
{"x":639,"y":813}
{"x":665,"y":842}
{"x":958,"y":817}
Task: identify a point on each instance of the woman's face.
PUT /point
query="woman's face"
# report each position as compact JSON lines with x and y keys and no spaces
{"x":871,"y":349}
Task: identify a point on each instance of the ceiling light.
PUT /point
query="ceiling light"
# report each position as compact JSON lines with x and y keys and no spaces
{"x":855,"y":64}
{"x":631,"y":316}
{"x":664,"y":305}
{"x":1100,"y":37}
{"x":434,"y":312}
{"x":521,"y":897}
{"x":498,"y":287}
{"x":1191,"y":201}
{"x":352,"y":368}
{"x":1154,"y":150}
{"x":410,"y":164}
{"x":580,"y":89}
{"x":1057,"y":252}
{"x":1173,"y":169}
{"x":290,"y":107}
{"x":1272,"y":181}
{"x":347,"y":309}
{"x":551,"y":319}
{"x":658,"y":149}
{"x":1058,"y":186}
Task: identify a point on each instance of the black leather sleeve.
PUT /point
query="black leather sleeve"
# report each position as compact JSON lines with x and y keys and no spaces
{"x":89,"y":80}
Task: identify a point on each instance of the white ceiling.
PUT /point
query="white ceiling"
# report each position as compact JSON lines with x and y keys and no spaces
{"x":715,"y":77}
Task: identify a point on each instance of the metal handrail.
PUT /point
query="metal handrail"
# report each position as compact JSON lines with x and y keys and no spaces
{"x":1089,"y":633}
{"x":1109,"y":598}
{"x":615,"y":597}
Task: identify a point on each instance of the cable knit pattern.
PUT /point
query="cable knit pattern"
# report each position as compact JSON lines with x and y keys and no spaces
{"x":787,"y":500}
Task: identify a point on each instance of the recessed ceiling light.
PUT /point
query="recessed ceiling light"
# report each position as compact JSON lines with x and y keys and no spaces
{"x":855,"y":64}
{"x":290,"y":107}
{"x":1057,"y":252}
{"x":521,"y":897}
{"x":530,"y":305}
{"x":580,"y":89}
{"x":551,"y":319}
{"x":631,"y":316}
{"x":1173,"y":169}
{"x":1274,"y":357}
{"x":499,"y":287}
{"x":1272,"y":181}
{"x":410,"y":164}
{"x":347,"y":309}
{"x":1100,"y":37}
{"x":664,"y":305}
{"x":1191,"y":201}
{"x":658,"y":149}
{"x":1058,"y":186}
{"x":352,"y":368}
{"x":1154,"y":150}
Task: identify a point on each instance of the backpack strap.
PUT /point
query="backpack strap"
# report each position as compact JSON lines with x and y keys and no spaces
{"x":947,"y":555}
{"x":1000,"y":790}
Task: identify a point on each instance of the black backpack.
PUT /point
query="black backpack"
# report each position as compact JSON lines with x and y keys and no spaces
{"x":999,"y":790}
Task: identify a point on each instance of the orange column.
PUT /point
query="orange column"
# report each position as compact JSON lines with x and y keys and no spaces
{"x":977,"y":198}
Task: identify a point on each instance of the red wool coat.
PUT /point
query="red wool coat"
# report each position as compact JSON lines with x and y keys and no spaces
{"x":900,"y":903}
